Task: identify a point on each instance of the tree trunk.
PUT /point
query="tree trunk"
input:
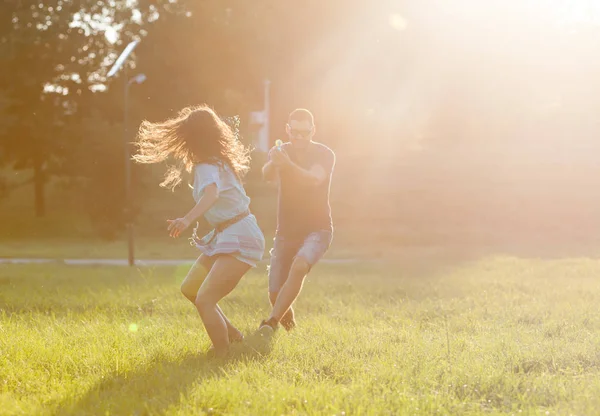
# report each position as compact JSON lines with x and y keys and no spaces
{"x":38,"y":187}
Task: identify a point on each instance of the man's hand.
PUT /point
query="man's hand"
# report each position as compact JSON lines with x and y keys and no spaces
{"x":269,"y":170}
{"x":177,"y":226}
{"x":279,"y":158}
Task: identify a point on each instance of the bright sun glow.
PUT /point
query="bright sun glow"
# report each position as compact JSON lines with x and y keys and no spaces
{"x":466,"y":67}
{"x":570,"y":11}
{"x":398,"y":22}
{"x":111,"y":34}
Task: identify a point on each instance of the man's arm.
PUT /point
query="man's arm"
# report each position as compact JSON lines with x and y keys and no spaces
{"x":314,"y":176}
{"x":269,"y":172}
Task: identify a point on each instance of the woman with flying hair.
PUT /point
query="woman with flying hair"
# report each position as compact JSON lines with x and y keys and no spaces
{"x":205,"y":146}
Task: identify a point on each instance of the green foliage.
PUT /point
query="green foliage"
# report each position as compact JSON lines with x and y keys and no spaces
{"x":54,"y":57}
{"x":99,"y":162}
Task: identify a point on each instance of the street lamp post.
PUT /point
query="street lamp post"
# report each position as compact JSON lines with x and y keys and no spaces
{"x":138,"y":79}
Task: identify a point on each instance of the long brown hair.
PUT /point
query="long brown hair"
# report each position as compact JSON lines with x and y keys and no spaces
{"x":196,"y":135}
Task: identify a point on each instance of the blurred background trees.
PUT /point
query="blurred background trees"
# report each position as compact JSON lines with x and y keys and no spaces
{"x":454,"y":116}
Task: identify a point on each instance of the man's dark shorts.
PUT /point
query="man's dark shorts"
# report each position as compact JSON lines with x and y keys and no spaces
{"x":285,"y":250}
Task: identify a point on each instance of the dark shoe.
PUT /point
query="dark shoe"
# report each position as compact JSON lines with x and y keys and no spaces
{"x":267,"y":327}
{"x":288,"y":323}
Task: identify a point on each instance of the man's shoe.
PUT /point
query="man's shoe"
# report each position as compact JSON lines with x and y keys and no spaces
{"x":267,"y":327}
{"x":288,"y":323}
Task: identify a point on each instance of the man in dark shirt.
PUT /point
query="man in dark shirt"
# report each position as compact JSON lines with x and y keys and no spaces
{"x":303,"y":169}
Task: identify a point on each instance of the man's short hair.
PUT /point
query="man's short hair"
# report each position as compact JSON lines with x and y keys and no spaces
{"x":301,"y":114}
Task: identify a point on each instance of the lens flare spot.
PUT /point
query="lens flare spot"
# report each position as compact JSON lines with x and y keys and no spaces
{"x":133,"y":327}
{"x":398,"y":22}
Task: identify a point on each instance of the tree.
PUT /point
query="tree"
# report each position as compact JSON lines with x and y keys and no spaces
{"x":47,"y":64}
{"x":54,"y":58}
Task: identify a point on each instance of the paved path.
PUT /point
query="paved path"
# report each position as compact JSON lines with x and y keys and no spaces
{"x":123,"y":262}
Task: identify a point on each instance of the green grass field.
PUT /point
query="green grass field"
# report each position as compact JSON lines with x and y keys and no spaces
{"x":490,"y":336}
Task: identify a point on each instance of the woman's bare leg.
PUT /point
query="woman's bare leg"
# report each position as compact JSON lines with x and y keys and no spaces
{"x":223,"y":277}
{"x":194,"y":279}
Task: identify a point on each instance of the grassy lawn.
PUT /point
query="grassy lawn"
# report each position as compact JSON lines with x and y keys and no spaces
{"x":154,"y":248}
{"x":96,"y":249}
{"x":490,"y":336}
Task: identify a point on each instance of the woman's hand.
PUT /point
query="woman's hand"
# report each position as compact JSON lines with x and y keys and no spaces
{"x":209,"y":197}
{"x":177,"y":226}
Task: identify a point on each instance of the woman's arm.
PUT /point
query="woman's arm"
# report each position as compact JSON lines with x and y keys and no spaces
{"x":208,"y":199}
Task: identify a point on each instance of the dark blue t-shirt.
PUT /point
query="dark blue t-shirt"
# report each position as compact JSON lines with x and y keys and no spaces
{"x":304,"y":208}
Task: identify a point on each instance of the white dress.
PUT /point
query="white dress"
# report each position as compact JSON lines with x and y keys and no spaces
{"x":243,"y":240}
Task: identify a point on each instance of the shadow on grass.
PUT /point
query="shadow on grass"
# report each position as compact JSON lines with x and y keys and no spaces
{"x":162,"y":384}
